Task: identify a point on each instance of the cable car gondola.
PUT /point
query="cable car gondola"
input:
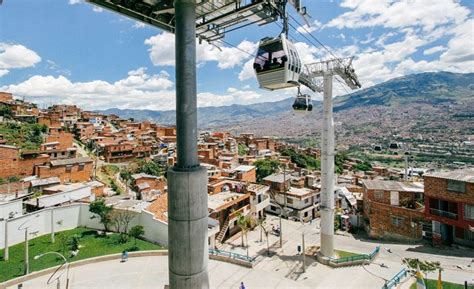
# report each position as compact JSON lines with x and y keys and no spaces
{"x":302,"y":102}
{"x":277,"y":64}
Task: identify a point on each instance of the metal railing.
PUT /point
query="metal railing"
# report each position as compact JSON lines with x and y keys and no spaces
{"x":396,"y":279}
{"x":442,"y":213}
{"x":359,"y":257}
{"x":231,"y":255}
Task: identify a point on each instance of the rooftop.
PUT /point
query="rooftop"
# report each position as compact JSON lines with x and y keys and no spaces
{"x":393,"y":186}
{"x":465,"y":175}
{"x":66,"y":162}
{"x":159,"y":207}
{"x":243,"y":168}
{"x":221,"y":200}
{"x":44,"y":182}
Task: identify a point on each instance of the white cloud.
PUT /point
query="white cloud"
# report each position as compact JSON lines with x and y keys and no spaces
{"x":138,"y":25}
{"x":162,"y":52}
{"x":97,"y":9}
{"x":305,"y":29}
{"x":247,"y":71}
{"x":16,"y":56}
{"x":137,"y":90}
{"x":434,"y":50}
{"x":74,"y":2}
{"x":400,"y":14}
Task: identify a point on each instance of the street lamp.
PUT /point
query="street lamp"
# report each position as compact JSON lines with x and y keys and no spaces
{"x":58,"y":286}
{"x":24,"y":227}
{"x":392,"y":252}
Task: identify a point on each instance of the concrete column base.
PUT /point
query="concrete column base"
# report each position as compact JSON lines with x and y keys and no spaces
{"x":187,"y":229}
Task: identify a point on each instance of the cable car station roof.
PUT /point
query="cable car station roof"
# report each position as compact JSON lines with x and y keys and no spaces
{"x":213,"y":17}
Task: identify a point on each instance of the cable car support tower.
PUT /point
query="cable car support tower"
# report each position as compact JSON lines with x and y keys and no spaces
{"x":327,"y":70}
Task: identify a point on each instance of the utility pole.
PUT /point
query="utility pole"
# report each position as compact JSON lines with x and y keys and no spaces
{"x":187,"y":180}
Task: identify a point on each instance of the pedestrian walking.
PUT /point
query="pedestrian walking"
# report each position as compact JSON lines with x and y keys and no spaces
{"x":242,"y":286}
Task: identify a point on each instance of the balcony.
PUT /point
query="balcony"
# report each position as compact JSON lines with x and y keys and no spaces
{"x":444,"y":214}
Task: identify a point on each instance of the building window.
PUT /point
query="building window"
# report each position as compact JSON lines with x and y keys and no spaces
{"x":456,"y":186}
{"x":468,"y":212}
{"x":68,"y":169}
{"x":289,"y":201}
{"x":306,"y":200}
{"x":397,"y":221}
{"x":378,"y":195}
{"x":81,"y":167}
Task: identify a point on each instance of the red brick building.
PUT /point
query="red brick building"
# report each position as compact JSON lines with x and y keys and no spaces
{"x":449,"y":203}
{"x":14,"y":163}
{"x":393,"y":210}
{"x":68,"y":170}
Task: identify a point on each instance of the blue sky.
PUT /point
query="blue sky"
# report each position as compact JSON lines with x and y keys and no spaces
{"x":68,"y":51}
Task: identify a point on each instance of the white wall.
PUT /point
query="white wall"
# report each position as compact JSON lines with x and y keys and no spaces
{"x":73,"y":216}
{"x":14,"y":208}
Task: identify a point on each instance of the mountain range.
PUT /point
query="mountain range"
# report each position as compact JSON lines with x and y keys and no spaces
{"x":430,"y":88}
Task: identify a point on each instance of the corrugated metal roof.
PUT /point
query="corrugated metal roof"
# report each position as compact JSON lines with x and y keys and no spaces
{"x":464,"y":175}
{"x":393,"y":186}
{"x":65,"y":162}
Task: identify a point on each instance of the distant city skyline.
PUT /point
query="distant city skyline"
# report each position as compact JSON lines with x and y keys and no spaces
{"x":75,"y":53}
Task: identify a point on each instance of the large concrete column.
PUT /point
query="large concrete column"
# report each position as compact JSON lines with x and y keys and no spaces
{"x":327,"y":172}
{"x":187,"y":181}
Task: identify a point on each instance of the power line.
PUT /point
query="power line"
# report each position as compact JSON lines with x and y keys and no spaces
{"x":312,"y":36}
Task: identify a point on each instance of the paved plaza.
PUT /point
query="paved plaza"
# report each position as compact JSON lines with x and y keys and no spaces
{"x":283,"y":269}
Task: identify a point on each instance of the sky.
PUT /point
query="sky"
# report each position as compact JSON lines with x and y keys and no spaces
{"x":72,"y":52}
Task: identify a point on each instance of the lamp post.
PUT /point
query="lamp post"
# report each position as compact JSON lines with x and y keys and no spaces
{"x":303,"y":245}
{"x":25,"y":226}
{"x":58,"y":286}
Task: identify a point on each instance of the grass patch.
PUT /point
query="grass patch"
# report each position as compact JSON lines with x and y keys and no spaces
{"x":431,"y":284}
{"x":344,"y":254}
{"x":91,"y":245}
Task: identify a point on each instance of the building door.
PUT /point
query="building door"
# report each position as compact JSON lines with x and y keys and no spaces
{"x":447,"y":233}
{"x":394,"y":201}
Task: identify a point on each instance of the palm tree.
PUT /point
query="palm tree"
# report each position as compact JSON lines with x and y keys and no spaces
{"x":261,"y":223}
{"x":245,"y":223}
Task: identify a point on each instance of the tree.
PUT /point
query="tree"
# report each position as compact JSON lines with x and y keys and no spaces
{"x":242,"y":149}
{"x":137,"y":232}
{"x":63,"y":242}
{"x":425,"y":266}
{"x":121,"y":219}
{"x":261,"y":224}
{"x":265,"y":168}
{"x":74,"y":242}
{"x":103,"y":211}
{"x":245,"y":223}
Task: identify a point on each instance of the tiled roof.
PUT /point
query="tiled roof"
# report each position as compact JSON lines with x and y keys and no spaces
{"x":159,"y":207}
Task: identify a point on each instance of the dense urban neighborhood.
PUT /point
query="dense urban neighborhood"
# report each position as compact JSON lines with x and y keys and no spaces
{"x":57,"y":163}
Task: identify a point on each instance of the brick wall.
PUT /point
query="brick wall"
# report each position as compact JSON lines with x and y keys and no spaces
{"x":381,"y":223}
{"x":249,"y":176}
{"x":75,"y":175}
{"x":64,"y":139}
{"x":6,"y":97}
{"x":437,"y":188}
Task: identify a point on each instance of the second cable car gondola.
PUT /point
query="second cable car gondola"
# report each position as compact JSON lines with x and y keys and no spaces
{"x":302,"y":102}
{"x":277,"y":64}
